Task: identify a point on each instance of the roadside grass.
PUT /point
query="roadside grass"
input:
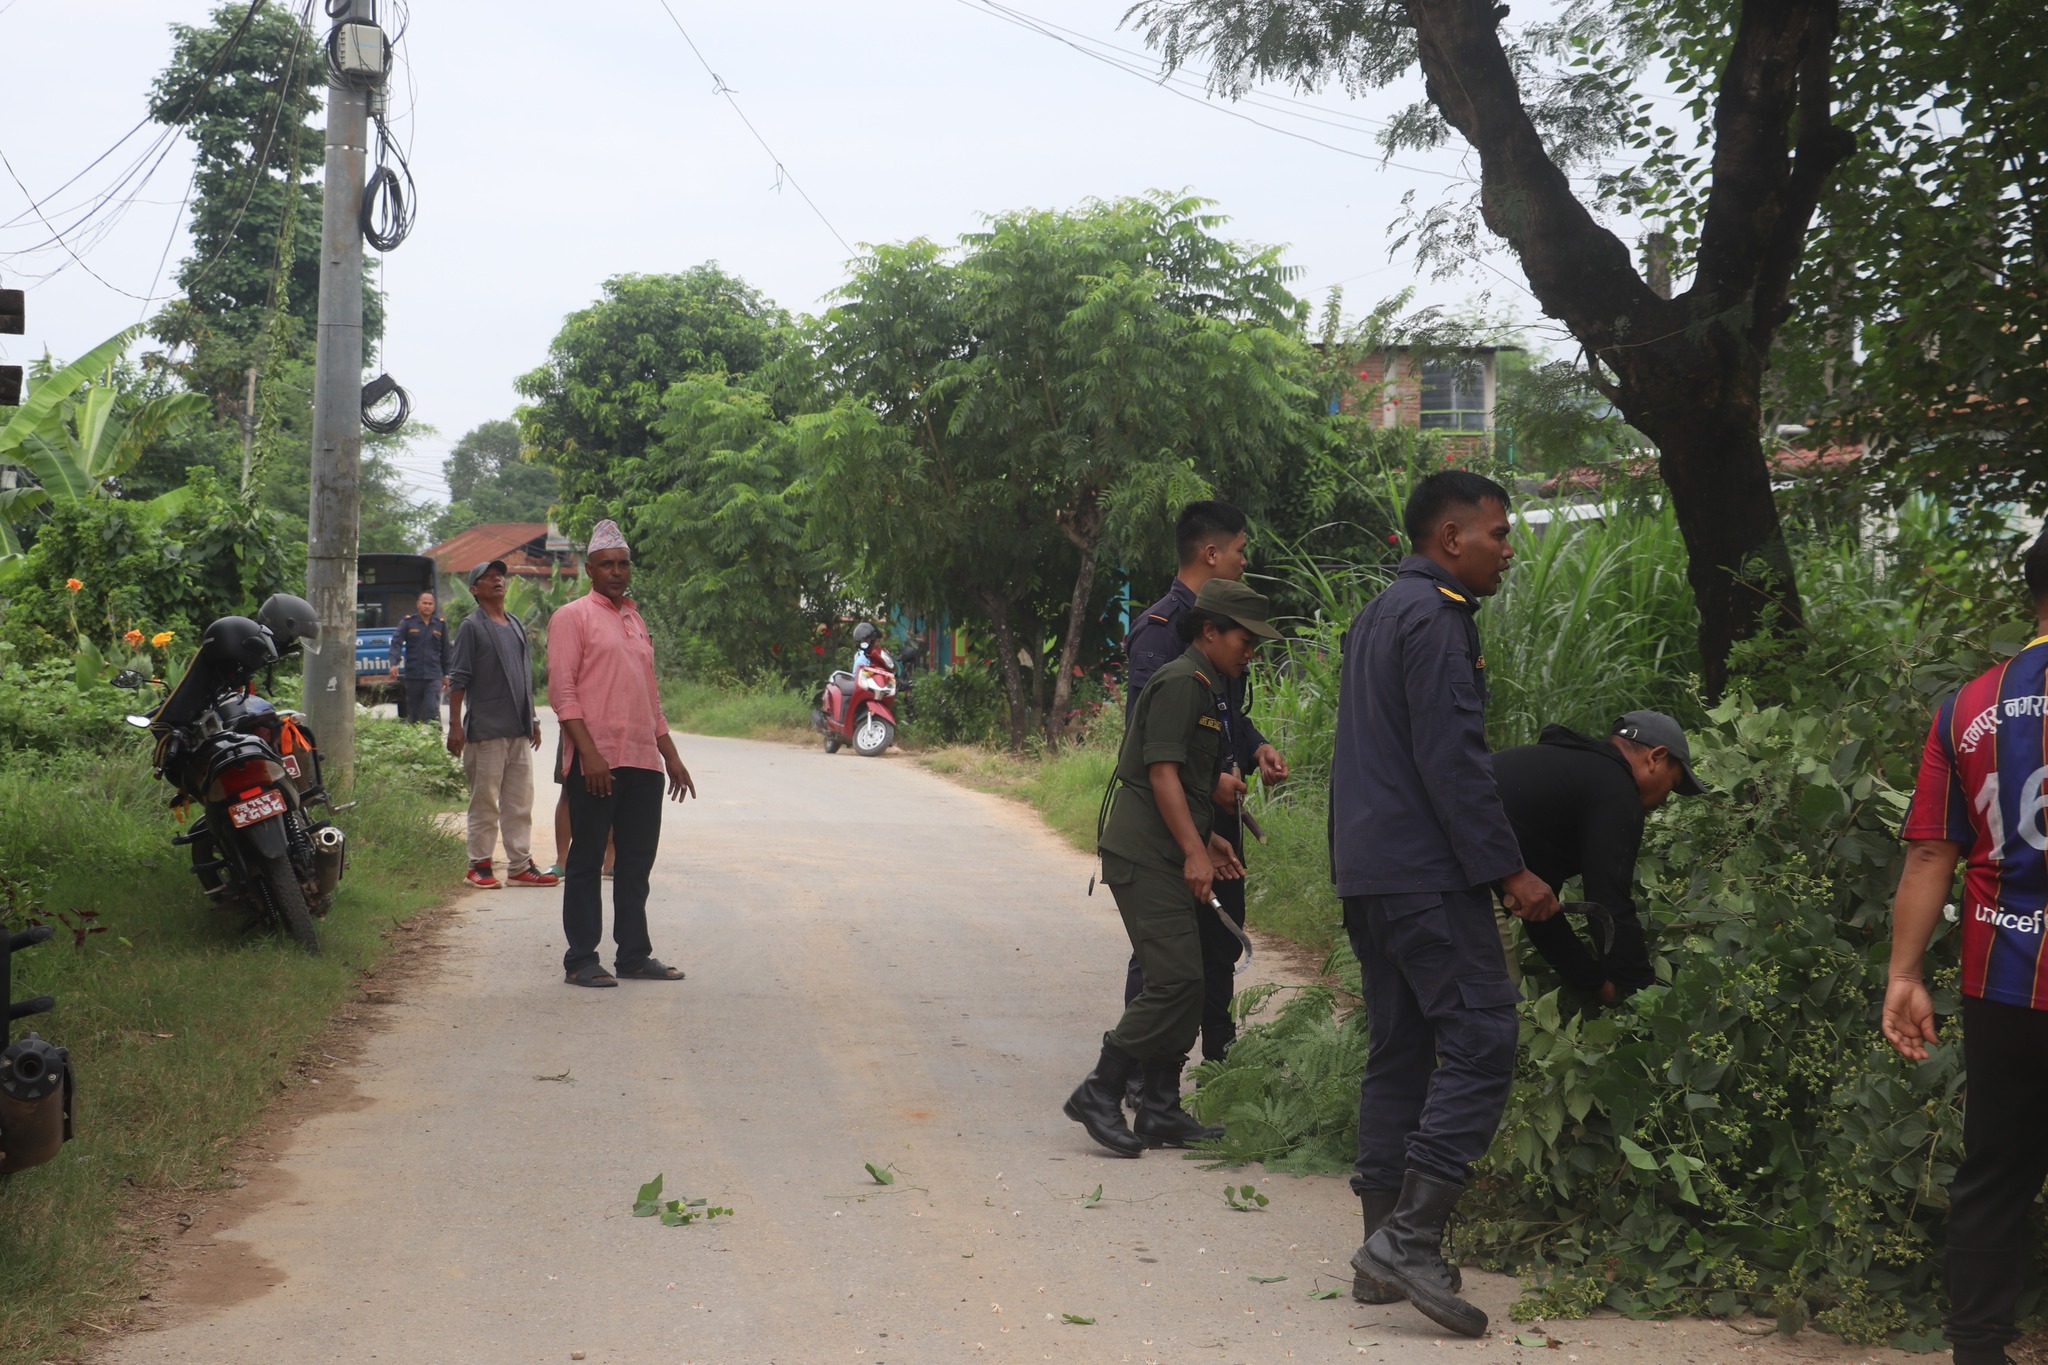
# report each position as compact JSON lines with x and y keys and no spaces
{"x":181,"y":1027}
{"x":736,"y":710}
{"x":1290,"y":893}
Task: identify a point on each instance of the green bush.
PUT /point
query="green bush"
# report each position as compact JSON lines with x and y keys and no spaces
{"x":413,"y":756}
{"x":42,"y":708}
{"x":964,"y":706}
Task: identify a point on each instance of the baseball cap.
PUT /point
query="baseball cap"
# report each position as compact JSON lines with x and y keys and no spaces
{"x":480,"y":570}
{"x":1228,"y":597}
{"x":1659,"y":731}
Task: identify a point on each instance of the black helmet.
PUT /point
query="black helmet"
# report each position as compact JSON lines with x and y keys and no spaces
{"x":864,"y":632}
{"x":290,"y":619}
{"x":237,"y":647}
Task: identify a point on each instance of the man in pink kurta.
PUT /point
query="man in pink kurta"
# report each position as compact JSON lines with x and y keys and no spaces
{"x":616,"y":753}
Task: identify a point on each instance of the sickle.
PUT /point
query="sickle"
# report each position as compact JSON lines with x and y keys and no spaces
{"x":1237,"y":930}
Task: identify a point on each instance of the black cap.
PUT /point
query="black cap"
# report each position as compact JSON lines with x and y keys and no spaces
{"x":1250,"y":609}
{"x":1658,"y":731}
{"x":480,"y":570}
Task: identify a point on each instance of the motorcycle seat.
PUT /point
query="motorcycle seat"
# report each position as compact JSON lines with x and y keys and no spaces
{"x":843,"y":680}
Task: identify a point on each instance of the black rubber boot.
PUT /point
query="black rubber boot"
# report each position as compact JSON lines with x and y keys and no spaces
{"x":1097,"y":1102}
{"x":1161,"y":1121}
{"x":1406,"y":1254}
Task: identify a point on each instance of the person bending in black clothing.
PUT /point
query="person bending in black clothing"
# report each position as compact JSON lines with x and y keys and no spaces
{"x":1577,"y":806}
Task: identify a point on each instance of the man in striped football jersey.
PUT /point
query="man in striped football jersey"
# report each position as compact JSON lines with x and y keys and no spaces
{"x":1982,"y":793}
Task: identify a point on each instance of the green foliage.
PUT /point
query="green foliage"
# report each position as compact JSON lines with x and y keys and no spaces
{"x":736,"y":710}
{"x":415,"y":757}
{"x":186,"y":1028}
{"x":674,"y":1213}
{"x":598,"y":399}
{"x":246,"y":91}
{"x":1039,"y":397}
{"x":1246,"y":1199}
{"x":176,"y":564}
{"x":964,"y":706}
{"x":489,"y":479}
{"x":1287,"y":1095}
{"x":43,"y":710}
{"x":1736,"y":1136}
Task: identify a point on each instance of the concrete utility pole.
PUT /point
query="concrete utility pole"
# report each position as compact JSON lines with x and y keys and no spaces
{"x":335,"y":516}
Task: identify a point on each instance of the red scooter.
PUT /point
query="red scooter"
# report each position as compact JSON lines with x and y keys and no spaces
{"x":855,"y":709}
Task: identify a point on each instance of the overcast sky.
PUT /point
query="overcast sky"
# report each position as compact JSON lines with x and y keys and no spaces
{"x":557,"y":145}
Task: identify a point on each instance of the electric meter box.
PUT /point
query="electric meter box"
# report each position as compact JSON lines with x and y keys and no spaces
{"x":361,"y":52}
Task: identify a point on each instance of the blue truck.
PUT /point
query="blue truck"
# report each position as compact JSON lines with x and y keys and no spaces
{"x":387,"y":587}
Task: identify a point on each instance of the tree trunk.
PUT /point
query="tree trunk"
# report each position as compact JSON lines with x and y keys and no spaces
{"x":1707,"y":427}
{"x":1686,"y":371}
{"x":998,"y":609}
{"x":1085,"y":530}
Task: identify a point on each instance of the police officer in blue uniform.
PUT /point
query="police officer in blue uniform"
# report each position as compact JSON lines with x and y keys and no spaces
{"x":1419,"y":844}
{"x":1210,"y":540}
{"x":419,"y":661}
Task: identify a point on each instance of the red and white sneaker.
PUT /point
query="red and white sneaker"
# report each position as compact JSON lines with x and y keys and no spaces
{"x":532,"y":876}
{"x":479,"y":876}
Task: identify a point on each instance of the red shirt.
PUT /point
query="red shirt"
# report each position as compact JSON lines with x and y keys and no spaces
{"x":601,"y":672}
{"x":1984,"y":784}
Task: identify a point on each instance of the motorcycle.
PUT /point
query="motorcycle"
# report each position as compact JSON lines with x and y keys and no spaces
{"x":255,"y":772}
{"x":855,"y":710}
{"x":35,"y":1076}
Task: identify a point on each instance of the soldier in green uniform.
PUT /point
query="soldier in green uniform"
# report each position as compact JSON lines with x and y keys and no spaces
{"x":1160,"y":859}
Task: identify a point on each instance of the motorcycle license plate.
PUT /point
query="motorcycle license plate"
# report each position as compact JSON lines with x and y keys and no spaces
{"x":256,"y":808}
{"x":291,"y":765}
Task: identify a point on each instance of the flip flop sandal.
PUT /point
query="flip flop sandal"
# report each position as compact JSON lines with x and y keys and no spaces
{"x":651,"y":970}
{"x":590,"y":974}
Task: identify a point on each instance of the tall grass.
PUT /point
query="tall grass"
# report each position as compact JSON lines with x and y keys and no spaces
{"x":751,"y":710}
{"x":181,"y":1026}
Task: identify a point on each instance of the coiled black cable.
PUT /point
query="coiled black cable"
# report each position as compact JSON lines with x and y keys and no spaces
{"x":386,"y":406}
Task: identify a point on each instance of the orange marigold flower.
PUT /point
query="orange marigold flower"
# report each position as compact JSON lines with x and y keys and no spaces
{"x":72,"y":585}
{"x":162,"y":638}
{"x":134,"y":639}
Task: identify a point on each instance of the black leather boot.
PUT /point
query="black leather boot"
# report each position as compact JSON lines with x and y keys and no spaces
{"x":1406,"y":1254}
{"x":1097,"y":1103}
{"x":1161,"y":1121}
{"x":1378,"y":1205}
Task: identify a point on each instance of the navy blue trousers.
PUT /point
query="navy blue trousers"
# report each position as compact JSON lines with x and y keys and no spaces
{"x":1442,"y":1012}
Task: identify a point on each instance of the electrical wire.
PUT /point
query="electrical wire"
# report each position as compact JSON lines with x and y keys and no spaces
{"x":390,"y":200}
{"x":258,"y":171}
{"x":200,"y":87}
{"x":385,"y":405}
{"x":719,"y":87}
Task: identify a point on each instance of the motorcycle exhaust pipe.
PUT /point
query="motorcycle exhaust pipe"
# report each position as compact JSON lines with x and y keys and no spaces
{"x":330,"y":855}
{"x":35,"y":1103}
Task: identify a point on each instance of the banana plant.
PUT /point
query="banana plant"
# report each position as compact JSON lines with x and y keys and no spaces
{"x":73,"y":444}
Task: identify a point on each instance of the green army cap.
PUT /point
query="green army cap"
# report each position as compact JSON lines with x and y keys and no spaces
{"x":1228,"y":597}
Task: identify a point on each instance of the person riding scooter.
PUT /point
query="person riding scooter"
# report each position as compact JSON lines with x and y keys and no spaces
{"x":868,"y":650}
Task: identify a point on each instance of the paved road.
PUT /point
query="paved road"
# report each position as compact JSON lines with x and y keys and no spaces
{"x":882,"y":968}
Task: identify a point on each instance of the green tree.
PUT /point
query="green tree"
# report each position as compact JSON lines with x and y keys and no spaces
{"x":1091,"y":369}
{"x":596,"y":402}
{"x":245,"y":87}
{"x":1540,"y":102}
{"x":723,"y":523}
{"x":490,"y":480}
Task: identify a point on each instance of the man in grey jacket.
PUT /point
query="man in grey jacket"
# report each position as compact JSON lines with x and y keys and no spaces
{"x":492,"y":728}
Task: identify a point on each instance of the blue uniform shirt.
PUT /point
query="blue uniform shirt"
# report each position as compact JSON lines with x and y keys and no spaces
{"x":1155,"y":642}
{"x":421,"y":647}
{"x":1413,"y":807}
